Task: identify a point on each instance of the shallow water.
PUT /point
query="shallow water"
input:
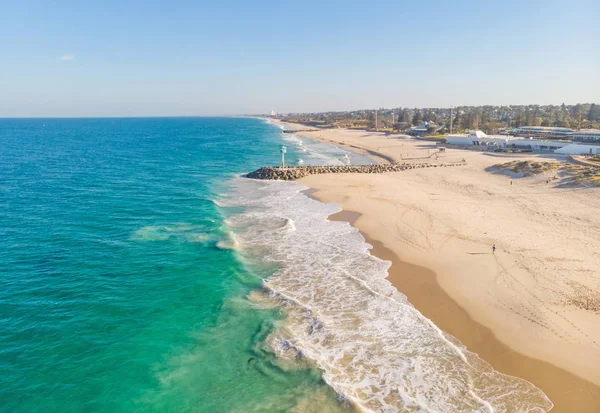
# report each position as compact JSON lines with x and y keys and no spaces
{"x":141,"y":273}
{"x":341,"y":313}
{"x":120,"y":289}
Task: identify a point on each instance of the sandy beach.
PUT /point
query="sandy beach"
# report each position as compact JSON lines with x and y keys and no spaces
{"x":532,"y":308}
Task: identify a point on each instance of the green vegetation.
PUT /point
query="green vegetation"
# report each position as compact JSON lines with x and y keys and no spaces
{"x":583,"y":175}
{"x":571,"y":174}
{"x":490,"y":119}
{"x":528,"y":168}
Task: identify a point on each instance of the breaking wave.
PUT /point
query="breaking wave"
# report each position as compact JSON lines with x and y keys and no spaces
{"x":229,"y":242}
{"x":186,"y":233}
{"x":373,"y":347}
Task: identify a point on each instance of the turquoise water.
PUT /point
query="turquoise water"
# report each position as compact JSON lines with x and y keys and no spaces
{"x":141,"y":273}
{"x":118,"y":291}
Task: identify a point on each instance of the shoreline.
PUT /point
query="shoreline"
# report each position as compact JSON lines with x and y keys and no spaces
{"x":562,"y":369}
{"x":377,"y":156}
{"x":423,"y":291}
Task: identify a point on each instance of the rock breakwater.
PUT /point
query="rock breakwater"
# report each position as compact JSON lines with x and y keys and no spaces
{"x":297,"y":172}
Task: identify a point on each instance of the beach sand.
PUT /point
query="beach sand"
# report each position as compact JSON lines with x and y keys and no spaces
{"x":532,"y":309}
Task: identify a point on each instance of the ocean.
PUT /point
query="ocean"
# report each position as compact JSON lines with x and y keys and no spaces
{"x":141,"y":272}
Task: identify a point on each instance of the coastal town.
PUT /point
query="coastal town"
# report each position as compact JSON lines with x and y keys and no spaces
{"x":535,"y":120}
{"x":449,"y":128}
{"x":499,"y":129}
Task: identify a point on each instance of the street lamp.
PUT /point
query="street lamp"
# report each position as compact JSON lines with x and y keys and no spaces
{"x":283,"y":151}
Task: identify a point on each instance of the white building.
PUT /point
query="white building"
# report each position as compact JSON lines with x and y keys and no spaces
{"x":537,"y":145}
{"x":579,"y":149}
{"x":565,"y":148}
{"x":478,"y":138}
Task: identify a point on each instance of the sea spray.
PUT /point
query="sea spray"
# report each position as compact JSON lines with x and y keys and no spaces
{"x":372,"y":345}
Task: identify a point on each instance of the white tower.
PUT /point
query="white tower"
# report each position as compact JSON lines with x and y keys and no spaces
{"x":283,"y":151}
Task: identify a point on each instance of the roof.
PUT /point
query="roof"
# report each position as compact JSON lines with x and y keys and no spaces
{"x":477,"y":134}
{"x":544,"y":128}
{"x":539,"y":142}
{"x":481,"y":136}
{"x":422,"y":127}
{"x":577,"y":147}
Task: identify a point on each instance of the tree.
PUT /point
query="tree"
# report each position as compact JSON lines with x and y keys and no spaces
{"x":427,"y":115}
{"x":465,"y":121}
{"x":528,"y":117}
{"x":417,"y":118}
{"x":473,"y":119}
{"x":456,"y":123}
{"x":578,"y":115}
{"x":491,"y":127}
{"x":402,"y":126}
{"x":432,"y":116}
{"x":478,"y":118}
{"x":406,"y":118}
{"x":563,"y":122}
{"x":594,"y":113}
{"x":519,"y":118}
{"x":432,"y":129}
{"x":371,"y":119}
{"x":546,"y":122}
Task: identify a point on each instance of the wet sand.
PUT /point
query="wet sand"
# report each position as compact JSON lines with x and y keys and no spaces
{"x":531,"y":309}
{"x":568,"y":392}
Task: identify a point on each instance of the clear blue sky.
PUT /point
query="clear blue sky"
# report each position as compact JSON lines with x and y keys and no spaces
{"x":132,"y":58}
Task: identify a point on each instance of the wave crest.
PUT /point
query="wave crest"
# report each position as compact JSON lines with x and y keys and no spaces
{"x":372,"y":345}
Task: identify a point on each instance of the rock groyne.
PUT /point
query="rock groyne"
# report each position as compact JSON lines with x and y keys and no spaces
{"x":299,"y":130}
{"x":297,"y":172}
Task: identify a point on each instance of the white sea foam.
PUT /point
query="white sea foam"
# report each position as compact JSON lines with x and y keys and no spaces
{"x":293,"y":139}
{"x":228,"y":242}
{"x":218,"y":203}
{"x":316,"y":152}
{"x":373,"y":347}
{"x":184,"y":232}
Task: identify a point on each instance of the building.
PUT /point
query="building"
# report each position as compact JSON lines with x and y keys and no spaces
{"x":562,"y":148}
{"x":542,"y":132}
{"x":537,"y":145}
{"x":478,"y":138}
{"x":586,"y":135}
{"x":421,"y":130}
{"x":579,"y":149}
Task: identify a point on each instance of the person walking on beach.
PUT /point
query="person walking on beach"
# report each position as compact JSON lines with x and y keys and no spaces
{"x":494,"y":249}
